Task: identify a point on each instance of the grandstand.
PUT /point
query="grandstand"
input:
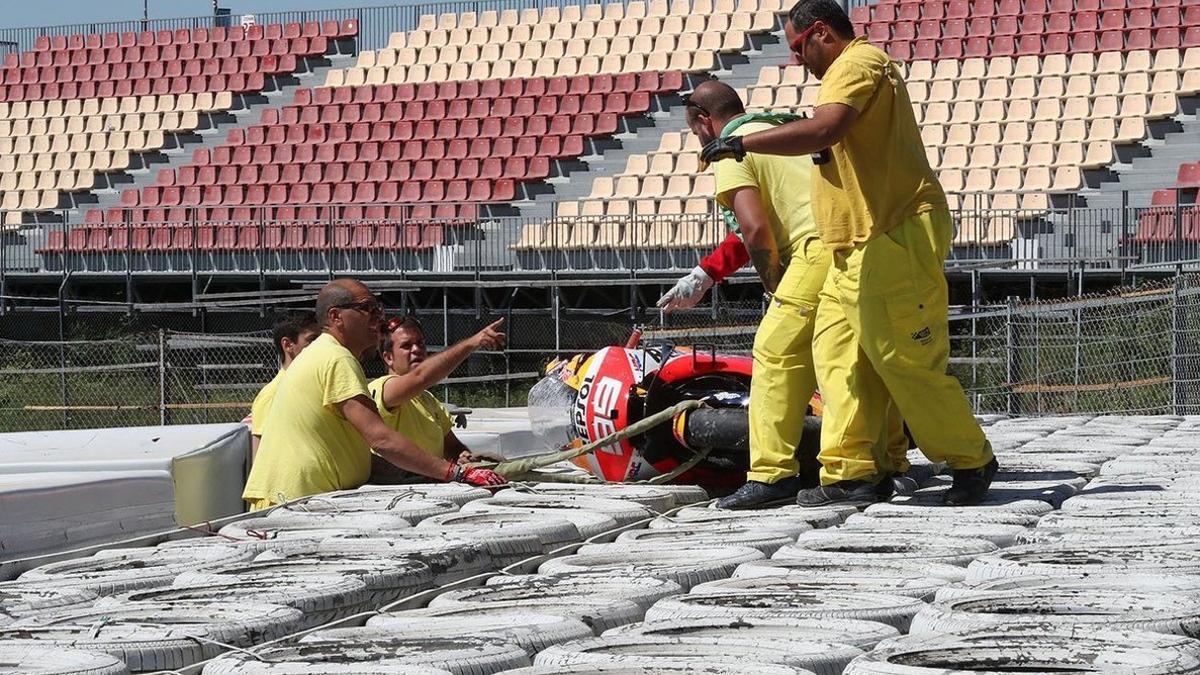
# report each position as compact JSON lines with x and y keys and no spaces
{"x":552,"y":139}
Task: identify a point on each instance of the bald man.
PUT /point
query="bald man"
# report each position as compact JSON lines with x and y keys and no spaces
{"x":323,"y":421}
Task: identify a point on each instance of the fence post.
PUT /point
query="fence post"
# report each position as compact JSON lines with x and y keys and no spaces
{"x":1123,"y":247}
{"x":1176,"y":327}
{"x":1013,"y":369}
{"x":555,"y":303}
{"x":1078,"y":351}
{"x":162,"y":376}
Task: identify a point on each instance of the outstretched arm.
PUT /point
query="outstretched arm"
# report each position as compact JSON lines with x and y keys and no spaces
{"x":397,"y":390}
{"x":829,"y":124}
{"x":396,"y":449}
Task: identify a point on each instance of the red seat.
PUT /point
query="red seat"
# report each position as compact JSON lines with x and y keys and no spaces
{"x":1189,"y":175}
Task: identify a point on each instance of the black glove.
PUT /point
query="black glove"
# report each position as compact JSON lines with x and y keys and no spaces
{"x":722,"y":148}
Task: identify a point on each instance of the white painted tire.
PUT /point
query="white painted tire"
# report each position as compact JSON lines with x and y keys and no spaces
{"x":894,"y":610}
{"x":765,"y":540}
{"x":641,"y":590}
{"x":320,"y":598}
{"x":292,"y":524}
{"x":588,"y":523}
{"x":598,"y":612}
{"x":457,"y":493}
{"x":663,"y":667}
{"x":999,"y":534}
{"x":552,"y":532}
{"x":1100,"y":651}
{"x":818,"y":570}
{"x":503,"y":550}
{"x":386,"y":579}
{"x":1058,"y":560}
{"x":1132,"y":516}
{"x":37,"y":659}
{"x":686,"y":495}
{"x":832,"y":546}
{"x":858,"y":633}
{"x":1142,"y":583}
{"x":21,"y":599}
{"x":166,"y":636}
{"x":134,"y":569}
{"x":1015,"y":499}
{"x":625,"y":513}
{"x":914,"y":587}
{"x":903,"y":517}
{"x":1176,"y":613}
{"x":686,"y":567}
{"x":371,"y":650}
{"x":533,"y":632}
{"x":824,"y":658}
{"x":922,"y":502}
{"x":447,"y":563}
{"x":1113,"y":536}
{"x":653,"y":498}
{"x":777,"y":519}
{"x":379,"y":504}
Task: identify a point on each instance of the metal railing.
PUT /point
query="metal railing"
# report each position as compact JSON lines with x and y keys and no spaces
{"x":473,"y":241}
{"x":376,"y":24}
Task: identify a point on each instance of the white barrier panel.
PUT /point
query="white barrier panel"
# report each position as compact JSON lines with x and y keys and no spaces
{"x":206,"y":463}
{"x":57,"y":511}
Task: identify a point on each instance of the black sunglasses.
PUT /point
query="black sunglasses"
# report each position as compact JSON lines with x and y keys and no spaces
{"x":689,"y":103}
{"x":372,"y":307}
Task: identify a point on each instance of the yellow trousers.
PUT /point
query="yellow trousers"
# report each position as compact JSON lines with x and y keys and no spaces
{"x":882,"y":335}
{"x":784,"y":377}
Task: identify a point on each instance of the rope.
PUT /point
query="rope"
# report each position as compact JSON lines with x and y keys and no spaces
{"x":519,"y":468}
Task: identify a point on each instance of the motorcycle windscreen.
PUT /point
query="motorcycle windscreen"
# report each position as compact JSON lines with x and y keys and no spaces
{"x":550,"y":404}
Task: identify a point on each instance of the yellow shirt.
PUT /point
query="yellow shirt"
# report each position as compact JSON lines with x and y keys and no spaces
{"x":310,"y":448}
{"x":784,"y":184}
{"x":879,"y":175}
{"x":421,"y":419}
{"x":262,"y":405}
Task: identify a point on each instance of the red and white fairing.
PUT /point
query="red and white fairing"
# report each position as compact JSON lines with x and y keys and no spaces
{"x":602,"y":408}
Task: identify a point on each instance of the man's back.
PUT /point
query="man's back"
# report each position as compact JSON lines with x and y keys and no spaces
{"x":309,"y":448}
{"x":782,"y":182}
{"x":879,"y":174}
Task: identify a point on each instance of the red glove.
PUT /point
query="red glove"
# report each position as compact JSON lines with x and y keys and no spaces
{"x":474,"y":476}
{"x":482,"y":477}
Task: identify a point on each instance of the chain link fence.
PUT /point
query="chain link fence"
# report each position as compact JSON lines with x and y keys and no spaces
{"x":1134,"y":350}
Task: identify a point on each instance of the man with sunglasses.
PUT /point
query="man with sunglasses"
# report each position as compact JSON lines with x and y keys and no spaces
{"x":882,"y":326}
{"x":323,"y":421}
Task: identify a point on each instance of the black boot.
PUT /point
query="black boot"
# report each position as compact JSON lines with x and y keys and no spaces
{"x":971,"y":485}
{"x":885,"y":489}
{"x":842,"y":492}
{"x":902,"y":484}
{"x":755,"y":495}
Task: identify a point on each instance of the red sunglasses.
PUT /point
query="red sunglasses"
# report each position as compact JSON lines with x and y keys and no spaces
{"x":797,"y":45}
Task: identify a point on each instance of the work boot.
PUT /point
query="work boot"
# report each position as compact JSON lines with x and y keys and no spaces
{"x":903,"y":484}
{"x":755,"y":495}
{"x":885,"y":489}
{"x":846,"y":491}
{"x":970,"y":486}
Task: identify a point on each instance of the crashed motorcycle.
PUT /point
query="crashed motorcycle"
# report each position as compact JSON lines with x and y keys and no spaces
{"x":589,"y":397}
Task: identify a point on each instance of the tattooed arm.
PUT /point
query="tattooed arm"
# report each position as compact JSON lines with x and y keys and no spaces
{"x":756,"y":234}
